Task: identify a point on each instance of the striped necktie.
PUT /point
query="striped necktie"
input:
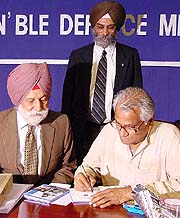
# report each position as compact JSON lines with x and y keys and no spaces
{"x":30,"y":153}
{"x":98,"y":112}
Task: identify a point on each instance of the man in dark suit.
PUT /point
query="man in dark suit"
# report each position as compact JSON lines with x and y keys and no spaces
{"x":123,"y":70}
{"x":51,"y":158}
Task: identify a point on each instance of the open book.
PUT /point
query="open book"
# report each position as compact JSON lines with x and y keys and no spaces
{"x":80,"y":197}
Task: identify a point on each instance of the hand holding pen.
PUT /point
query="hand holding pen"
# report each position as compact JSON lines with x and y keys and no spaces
{"x":83,"y":181}
{"x":87,"y":178}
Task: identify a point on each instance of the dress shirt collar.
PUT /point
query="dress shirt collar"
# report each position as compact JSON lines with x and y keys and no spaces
{"x":20,"y":121}
{"x":110,"y":49}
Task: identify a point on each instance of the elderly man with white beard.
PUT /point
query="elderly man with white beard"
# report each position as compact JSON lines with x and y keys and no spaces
{"x":36,"y":143}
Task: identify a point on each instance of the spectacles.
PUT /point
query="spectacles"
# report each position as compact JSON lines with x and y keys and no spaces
{"x":110,"y":28}
{"x":127,"y":128}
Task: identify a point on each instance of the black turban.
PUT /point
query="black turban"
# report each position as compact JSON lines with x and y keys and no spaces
{"x":113,"y":8}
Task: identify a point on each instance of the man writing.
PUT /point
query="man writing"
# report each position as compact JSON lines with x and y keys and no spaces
{"x":36,"y":143}
{"x":96,"y":72}
{"x":133,"y":148}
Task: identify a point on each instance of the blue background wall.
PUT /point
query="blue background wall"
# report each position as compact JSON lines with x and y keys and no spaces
{"x":153,"y":27}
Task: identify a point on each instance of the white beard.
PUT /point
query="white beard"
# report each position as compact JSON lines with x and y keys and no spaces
{"x":33,"y":117}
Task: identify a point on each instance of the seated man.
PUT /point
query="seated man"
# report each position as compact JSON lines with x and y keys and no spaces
{"x":36,"y":143}
{"x":131,"y":149}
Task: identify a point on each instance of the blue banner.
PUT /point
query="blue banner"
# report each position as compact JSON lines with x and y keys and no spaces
{"x":42,"y":30}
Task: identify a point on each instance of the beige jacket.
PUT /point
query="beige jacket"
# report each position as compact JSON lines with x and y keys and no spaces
{"x":58,"y":158}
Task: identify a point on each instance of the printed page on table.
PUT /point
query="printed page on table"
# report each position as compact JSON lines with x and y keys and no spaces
{"x":79,"y":197}
{"x":14,"y":196}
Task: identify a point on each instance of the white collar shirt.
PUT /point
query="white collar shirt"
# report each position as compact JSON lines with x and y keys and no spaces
{"x":22,"y":130}
{"x":155,"y":162}
{"x":111,"y":69}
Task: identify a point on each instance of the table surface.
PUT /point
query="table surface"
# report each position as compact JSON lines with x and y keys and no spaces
{"x":33,"y":210}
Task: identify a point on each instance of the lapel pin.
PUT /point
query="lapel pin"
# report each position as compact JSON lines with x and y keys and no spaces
{"x":122,"y":65}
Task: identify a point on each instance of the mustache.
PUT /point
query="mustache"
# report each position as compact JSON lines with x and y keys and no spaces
{"x":33,"y":117}
{"x":38,"y":113}
{"x":104,"y":41}
{"x":109,"y":37}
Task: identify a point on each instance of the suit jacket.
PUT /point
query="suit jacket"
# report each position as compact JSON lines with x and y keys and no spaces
{"x":58,"y":159}
{"x":75,"y":98}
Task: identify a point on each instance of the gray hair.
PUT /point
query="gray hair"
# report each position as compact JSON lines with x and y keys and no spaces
{"x":134,"y":97}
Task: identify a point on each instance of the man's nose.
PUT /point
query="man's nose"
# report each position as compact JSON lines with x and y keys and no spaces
{"x":105,"y":31}
{"x":37,"y":105}
{"x":123,"y":132}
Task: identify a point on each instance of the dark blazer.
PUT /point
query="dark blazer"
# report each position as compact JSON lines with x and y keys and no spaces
{"x":75,"y":98}
{"x":58,"y":160}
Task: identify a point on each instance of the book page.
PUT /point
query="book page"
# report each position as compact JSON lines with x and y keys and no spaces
{"x":13,"y":197}
{"x":80,"y":197}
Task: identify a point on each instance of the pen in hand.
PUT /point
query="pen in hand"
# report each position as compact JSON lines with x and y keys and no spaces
{"x":87,"y":178}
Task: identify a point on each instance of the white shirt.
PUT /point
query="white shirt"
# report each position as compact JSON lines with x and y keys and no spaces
{"x":111,"y":71}
{"x":22,"y":130}
{"x":155,"y":162}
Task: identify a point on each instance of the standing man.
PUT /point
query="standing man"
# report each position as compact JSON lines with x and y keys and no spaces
{"x":36,"y":143}
{"x":96,"y":73}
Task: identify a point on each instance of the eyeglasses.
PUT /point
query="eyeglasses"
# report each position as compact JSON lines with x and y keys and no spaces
{"x":110,"y":28}
{"x":127,"y":128}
